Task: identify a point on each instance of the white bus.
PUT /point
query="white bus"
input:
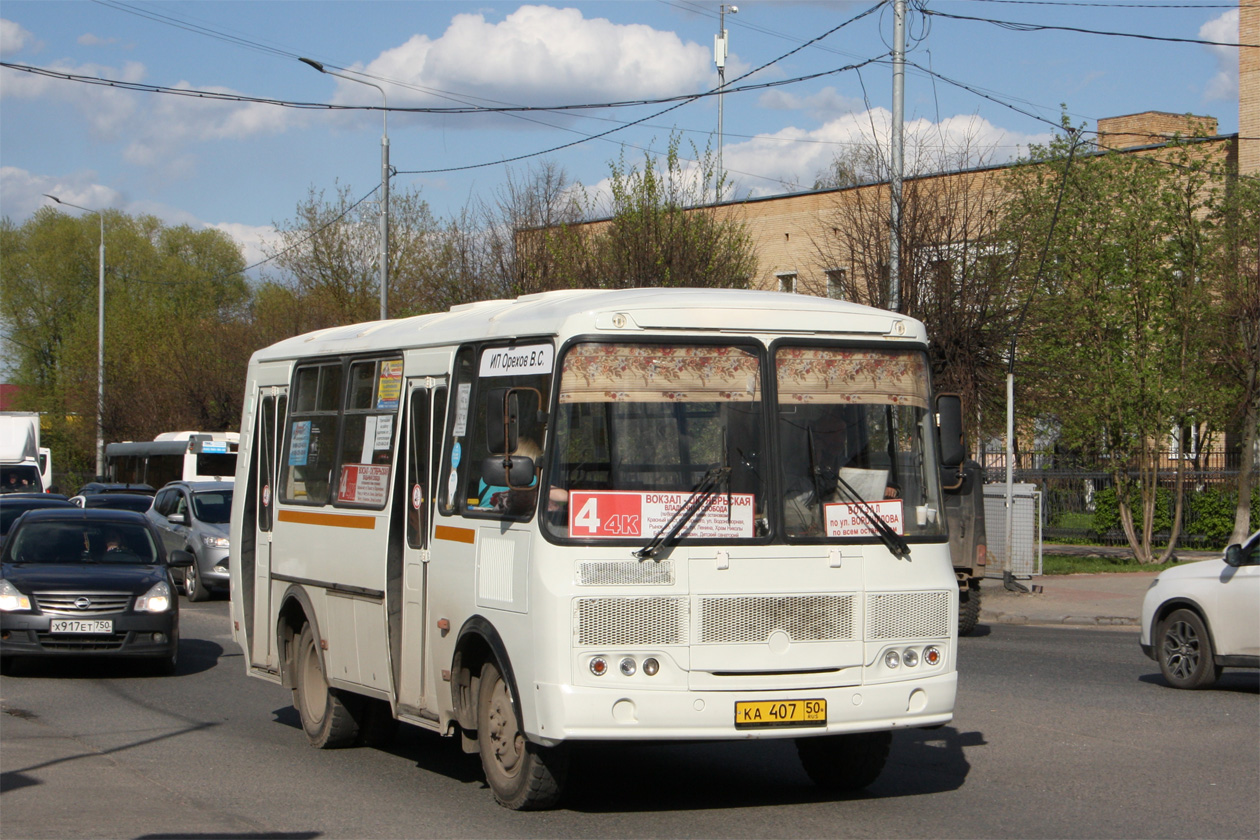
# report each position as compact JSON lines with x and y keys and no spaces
{"x":602,"y":515}
{"x":173,"y":456}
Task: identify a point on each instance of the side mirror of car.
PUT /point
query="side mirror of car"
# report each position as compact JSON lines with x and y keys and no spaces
{"x":177,"y":519}
{"x":180,"y":559}
{"x":1234,"y":555}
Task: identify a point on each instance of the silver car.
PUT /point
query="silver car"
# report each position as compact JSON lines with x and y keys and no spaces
{"x":193,"y":516}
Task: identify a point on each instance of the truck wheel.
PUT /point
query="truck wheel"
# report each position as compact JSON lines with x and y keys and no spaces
{"x":844,"y":762}
{"x":968,"y":610}
{"x":1185,"y":651}
{"x":522,"y":775}
{"x":326,"y":718}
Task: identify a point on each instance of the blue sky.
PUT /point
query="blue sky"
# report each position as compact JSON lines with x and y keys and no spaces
{"x":244,"y":167}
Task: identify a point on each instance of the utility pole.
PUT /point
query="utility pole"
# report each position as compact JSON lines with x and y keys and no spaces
{"x":898,"y":148}
{"x":720,"y":45}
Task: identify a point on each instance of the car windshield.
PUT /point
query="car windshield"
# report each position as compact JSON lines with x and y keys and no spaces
{"x":65,"y":543}
{"x":20,"y":478}
{"x":212,"y":506}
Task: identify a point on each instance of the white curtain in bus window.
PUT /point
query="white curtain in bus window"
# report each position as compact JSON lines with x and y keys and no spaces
{"x":841,"y":375}
{"x":655,"y":373}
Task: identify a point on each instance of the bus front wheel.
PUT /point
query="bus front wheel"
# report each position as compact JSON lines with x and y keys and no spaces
{"x":326,"y":719}
{"x":844,"y":762}
{"x":522,"y":775}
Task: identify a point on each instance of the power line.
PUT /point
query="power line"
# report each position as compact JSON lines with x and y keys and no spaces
{"x":1040,"y":27}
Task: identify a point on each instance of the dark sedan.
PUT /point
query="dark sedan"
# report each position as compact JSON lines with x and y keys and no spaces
{"x":13,"y":506}
{"x":88,"y":582}
{"x":121,"y":501}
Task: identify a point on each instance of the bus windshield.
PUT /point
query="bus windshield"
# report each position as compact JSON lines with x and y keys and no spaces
{"x":640,"y":427}
{"x":856,"y":443}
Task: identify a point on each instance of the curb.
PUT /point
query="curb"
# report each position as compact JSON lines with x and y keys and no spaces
{"x":1075,"y":620}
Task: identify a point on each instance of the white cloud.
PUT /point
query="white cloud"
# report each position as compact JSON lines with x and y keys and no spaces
{"x":824,"y":103}
{"x":13,"y":38}
{"x":797,"y":155}
{"x":540,"y":55}
{"x":250,"y":238}
{"x":23,"y":192}
{"x":1223,"y":29}
{"x":90,"y":40}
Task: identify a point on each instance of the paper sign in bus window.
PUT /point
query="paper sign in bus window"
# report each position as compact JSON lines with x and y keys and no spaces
{"x":612,"y":514}
{"x":300,"y":443}
{"x":389,"y":385}
{"x":363,"y":484}
{"x":846,"y":520}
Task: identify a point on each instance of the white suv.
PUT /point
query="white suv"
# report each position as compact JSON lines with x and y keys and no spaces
{"x":1202,"y":617}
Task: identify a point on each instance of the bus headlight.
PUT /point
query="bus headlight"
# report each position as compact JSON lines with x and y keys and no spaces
{"x":892,"y":659}
{"x":628,"y":667}
{"x":910,"y":657}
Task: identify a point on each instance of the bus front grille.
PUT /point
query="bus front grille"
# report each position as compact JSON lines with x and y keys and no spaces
{"x":743,"y":619}
{"x":907,"y":615}
{"x":630,"y":621}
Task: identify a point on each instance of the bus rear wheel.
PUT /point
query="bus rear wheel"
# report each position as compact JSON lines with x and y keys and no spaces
{"x":522,"y":775}
{"x":844,"y":762}
{"x":326,"y":719}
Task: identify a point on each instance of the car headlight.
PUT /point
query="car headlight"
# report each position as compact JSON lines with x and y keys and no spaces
{"x":11,"y":599}
{"x":156,"y":600}
{"x":214,"y":542}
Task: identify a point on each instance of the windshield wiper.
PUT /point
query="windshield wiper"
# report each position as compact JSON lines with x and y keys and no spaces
{"x":699,"y":499}
{"x":894,"y":541}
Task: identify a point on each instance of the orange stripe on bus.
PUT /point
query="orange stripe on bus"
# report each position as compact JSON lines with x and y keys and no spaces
{"x":463,"y":535}
{"x":333,"y":520}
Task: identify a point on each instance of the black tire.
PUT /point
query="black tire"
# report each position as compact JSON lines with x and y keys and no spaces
{"x":522,"y":775}
{"x":166,"y":666}
{"x":8,"y":666}
{"x":844,"y":762}
{"x":1185,"y":652}
{"x":968,"y":610}
{"x":326,"y":718}
{"x":193,"y":587}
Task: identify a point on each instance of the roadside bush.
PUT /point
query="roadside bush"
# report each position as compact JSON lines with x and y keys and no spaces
{"x":1107,"y":511}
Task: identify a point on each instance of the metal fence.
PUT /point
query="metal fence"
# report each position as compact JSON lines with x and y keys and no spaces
{"x":1026,"y":530}
{"x":1071,"y":498}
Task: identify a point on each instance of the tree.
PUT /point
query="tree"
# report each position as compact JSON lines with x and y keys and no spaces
{"x":169,"y":292}
{"x":329,"y":262}
{"x":956,"y":266}
{"x":1115,"y":345}
{"x":661,"y":231}
{"x":1234,"y":266}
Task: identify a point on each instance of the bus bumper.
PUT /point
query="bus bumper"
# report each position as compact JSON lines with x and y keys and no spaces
{"x":566,"y":712}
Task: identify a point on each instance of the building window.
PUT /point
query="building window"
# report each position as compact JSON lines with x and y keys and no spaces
{"x":835,"y":283}
{"x":787,"y":281}
{"x":1184,"y":442}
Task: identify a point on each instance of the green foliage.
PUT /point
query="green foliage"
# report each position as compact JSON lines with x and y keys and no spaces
{"x":1107,"y":512}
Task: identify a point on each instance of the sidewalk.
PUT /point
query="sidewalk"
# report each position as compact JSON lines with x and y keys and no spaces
{"x":1096,"y":600}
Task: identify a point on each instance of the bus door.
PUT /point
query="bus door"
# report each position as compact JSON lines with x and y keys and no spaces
{"x":426,"y":409}
{"x":269,"y":425}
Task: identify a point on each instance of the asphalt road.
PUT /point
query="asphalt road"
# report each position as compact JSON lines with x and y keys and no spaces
{"x":1060,"y":732}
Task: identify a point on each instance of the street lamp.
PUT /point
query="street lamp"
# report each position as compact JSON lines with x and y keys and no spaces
{"x":100,"y":341}
{"x":384,"y":171}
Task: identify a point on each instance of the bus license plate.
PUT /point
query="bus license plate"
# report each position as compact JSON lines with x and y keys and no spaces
{"x":78,"y":625}
{"x":757,"y":714}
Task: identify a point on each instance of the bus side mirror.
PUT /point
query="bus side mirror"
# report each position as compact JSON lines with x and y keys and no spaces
{"x":502,"y":420}
{"x":508,"y":471}
{"x":950,"y":429}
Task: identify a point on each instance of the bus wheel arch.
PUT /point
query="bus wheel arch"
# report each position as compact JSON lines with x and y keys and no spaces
{"x":478,"y":642}
{"x":295,"y":611}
